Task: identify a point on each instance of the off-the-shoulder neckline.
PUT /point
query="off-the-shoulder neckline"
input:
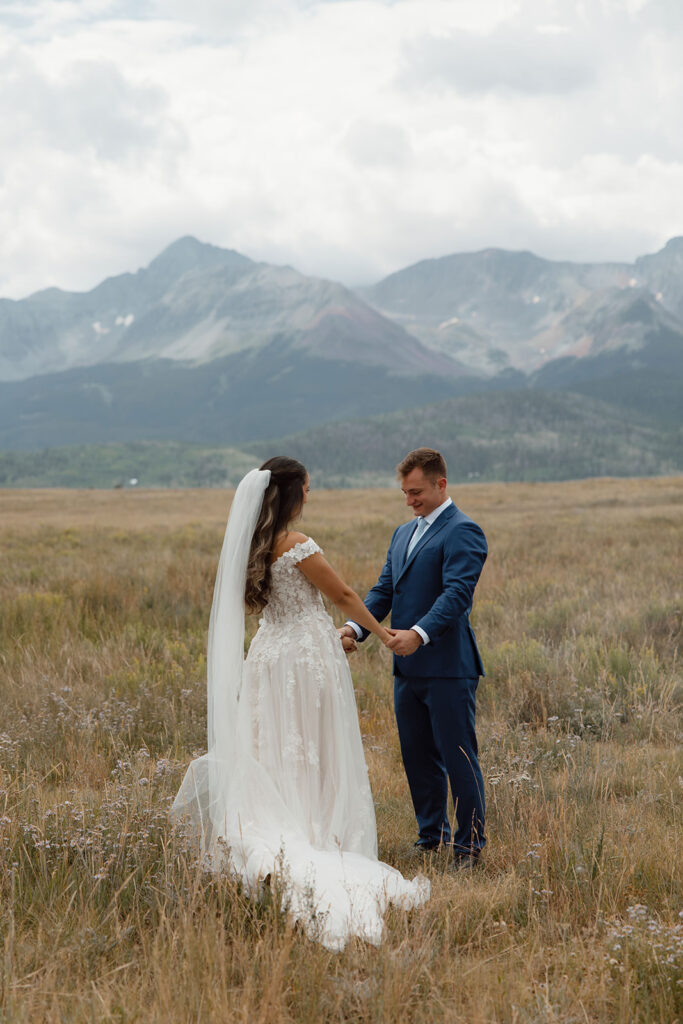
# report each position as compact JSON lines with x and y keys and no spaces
{"x":299,"y":544}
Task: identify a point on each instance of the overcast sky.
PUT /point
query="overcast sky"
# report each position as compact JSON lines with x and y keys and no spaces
{"x":346,"y":137}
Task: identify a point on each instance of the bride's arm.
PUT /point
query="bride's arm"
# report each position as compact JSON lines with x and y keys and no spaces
{"x":316,"y":569}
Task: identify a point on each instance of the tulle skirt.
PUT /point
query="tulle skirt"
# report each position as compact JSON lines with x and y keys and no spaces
{"x":295,"y":802}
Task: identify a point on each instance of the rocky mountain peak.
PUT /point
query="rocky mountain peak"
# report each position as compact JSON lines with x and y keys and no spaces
{"x":189,"y":254}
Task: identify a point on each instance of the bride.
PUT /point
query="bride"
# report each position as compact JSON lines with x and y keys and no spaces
{"x":283,"y":790}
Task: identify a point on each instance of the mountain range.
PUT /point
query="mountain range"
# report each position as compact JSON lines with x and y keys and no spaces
{"x":497,"y":308}
{"x":209,"y":347}
{"x":194,"y":304}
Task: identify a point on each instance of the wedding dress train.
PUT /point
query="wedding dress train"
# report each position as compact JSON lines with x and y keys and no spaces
{"x":293,"y":797}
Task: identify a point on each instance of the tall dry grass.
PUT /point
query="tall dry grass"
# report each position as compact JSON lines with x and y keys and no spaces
{"x":577,"y":915}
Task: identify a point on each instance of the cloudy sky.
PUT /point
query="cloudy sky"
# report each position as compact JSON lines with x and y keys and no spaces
{"x":346,"y":137}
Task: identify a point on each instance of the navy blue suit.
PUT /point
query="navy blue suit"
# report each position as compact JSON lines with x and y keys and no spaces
{"x":434,"y":688}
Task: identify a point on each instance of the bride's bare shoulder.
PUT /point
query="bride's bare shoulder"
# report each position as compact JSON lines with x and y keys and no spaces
{"x":288,"y":541}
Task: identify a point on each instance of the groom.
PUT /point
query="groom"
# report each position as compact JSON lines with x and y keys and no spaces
{"x":427,"y":583}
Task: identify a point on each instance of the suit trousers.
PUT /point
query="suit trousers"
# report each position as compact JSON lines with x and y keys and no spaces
{"x":436,"y":728}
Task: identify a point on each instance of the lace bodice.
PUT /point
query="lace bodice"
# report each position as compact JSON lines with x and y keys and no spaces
{"x":292,"y":596}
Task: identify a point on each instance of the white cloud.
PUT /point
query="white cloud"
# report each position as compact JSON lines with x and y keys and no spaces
{"x":90,"y":107}
{"x":377,"y":144}
{"x":541,"y":59}
{"x":347,"y":138}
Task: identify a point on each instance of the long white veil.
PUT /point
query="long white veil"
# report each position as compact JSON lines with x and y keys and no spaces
{"x":225,"y":655}
{"x":205,"y":794}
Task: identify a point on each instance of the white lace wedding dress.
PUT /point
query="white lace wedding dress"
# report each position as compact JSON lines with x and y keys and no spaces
{"x":300,"y":807}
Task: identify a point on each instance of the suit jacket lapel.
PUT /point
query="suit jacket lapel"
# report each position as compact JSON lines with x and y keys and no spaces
{"x":401,"y":548}
{"x":426,"y":537}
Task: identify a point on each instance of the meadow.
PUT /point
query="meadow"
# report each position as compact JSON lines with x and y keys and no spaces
{"x":577,"y":915}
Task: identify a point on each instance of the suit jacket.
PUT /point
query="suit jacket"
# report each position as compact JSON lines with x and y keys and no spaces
{"x":433,"y":589}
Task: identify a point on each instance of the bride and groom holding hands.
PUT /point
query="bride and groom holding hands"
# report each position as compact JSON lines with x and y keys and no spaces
{"x":283,"y":794}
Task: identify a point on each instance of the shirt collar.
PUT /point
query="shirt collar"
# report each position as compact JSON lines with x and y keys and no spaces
{"x":433,"y":516}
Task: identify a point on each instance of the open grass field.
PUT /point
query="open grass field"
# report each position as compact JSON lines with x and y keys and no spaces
{"x":576,"y":917}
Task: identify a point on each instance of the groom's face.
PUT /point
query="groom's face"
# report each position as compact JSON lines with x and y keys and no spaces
{"x":423,"y":495}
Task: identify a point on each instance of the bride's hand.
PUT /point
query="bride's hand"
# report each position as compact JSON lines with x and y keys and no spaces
{"x":386,"y":637}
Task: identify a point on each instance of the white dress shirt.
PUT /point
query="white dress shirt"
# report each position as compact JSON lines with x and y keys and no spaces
{"x":429,"y":520}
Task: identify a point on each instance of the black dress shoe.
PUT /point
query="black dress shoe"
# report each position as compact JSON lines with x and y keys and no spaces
{"x":465,"y":862}
{"x":427,"y":845}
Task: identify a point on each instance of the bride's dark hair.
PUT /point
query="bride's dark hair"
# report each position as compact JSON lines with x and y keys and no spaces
{"x":282,"y":502}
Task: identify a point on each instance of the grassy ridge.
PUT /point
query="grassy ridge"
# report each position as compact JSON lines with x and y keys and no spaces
{"x":509,"y":436}
{"x":525,"y":435}
{"x":104,"y":915}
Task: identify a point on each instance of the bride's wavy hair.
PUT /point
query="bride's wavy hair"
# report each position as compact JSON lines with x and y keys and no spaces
{"x":282,"y":502}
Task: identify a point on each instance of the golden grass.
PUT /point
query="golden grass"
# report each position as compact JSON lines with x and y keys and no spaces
{"x":103,"y":613}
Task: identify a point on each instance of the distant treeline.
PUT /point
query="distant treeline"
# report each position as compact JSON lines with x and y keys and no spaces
{"x":526,"y":435}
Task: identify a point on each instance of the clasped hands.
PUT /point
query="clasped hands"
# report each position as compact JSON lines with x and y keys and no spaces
{"x":401,"y":641}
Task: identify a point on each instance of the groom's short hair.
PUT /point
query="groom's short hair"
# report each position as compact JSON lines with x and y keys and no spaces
{"x":431,"y":462}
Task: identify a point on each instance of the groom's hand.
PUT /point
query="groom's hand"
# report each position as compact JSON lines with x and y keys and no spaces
{"x":404,"y":641}
{"x":347,"y":635}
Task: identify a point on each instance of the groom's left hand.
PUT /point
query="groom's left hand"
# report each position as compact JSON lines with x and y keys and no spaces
{"x":404,"y":641}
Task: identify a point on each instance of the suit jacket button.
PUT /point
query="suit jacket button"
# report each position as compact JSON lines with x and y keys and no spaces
{"x":398,"y":590}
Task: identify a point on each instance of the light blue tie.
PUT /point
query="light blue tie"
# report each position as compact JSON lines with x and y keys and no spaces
{"x":422,"y":525}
